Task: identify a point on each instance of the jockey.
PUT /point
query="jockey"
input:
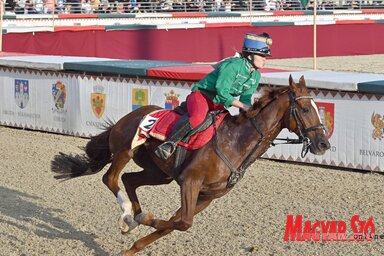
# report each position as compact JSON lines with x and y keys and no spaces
{"x":233,"y":77}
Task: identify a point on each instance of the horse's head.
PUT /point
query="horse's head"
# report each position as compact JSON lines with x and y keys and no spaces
{"x":303,"y":119}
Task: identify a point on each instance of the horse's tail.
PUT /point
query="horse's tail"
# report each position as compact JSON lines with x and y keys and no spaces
{"x":97,"y":156}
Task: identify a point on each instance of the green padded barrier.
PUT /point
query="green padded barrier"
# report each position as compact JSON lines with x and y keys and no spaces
{"x":319,"y":12}
{"x":379,"y":21}
{"x":375,"y":87}
{"x":120,"y":67}
{"x":130,"y":27}
{"x":9,"y":17}
{"x":223,"y":14}
{"x":272,"y":24}
{"x":116,"y":15}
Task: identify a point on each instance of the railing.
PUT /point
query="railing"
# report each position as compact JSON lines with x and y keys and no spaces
{"x":143,"y":6}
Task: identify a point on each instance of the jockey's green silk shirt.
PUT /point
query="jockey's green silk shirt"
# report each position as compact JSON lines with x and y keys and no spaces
{"x":232,"y":78}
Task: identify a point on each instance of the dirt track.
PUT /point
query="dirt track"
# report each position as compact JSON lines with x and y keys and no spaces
{"x":40,"y":216}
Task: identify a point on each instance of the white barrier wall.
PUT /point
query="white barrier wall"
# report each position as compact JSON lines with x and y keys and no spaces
{"x":82,"y":105}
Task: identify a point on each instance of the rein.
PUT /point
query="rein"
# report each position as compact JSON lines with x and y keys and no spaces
{"x":237,"y":174}
{"x":301,"y":125}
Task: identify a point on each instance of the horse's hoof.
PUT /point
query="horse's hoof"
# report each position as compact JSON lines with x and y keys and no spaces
{"x":127,"y":224}
{"x":144,"y":218}
{"x":126,"y":253}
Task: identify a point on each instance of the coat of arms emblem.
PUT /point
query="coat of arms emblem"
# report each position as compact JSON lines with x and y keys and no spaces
{"x":21,"y":92}
{"x":171,"y":100}
{"x":378,"y":126}
{"x":327,"y":116}
{"x":98,"y":101}
{"x":139,"y":98}
{"x":59,"y":93}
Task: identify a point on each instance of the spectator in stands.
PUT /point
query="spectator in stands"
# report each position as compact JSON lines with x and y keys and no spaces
{"x":104,"y":6}
{"x":219,"y":5}
{"x":37,"y":7}
{"x":75,"y":6}
{"x":270,"y":5}
{"x":166,"y":5}
{"x":20,"y":7}
{"x":134,"y":6}
{"x":228,"y":5}
{"x":86,"y":7}
{"x":192,"y":6}
{"x":60,"y":8}
{"x":200,"y":5}
{"x":328,"y":5}
{"x":95,"y":5}
{"x":10,"y":5}
{"x":178,"y":6}
{"x":50,"y":6}
{"x":233,"y":77}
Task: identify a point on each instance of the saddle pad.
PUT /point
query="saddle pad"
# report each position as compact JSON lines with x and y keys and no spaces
{"x":158,"y":124}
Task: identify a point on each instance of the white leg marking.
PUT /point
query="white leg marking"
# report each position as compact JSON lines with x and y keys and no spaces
{"x":126,"y":221}
{"x":125,"y":204}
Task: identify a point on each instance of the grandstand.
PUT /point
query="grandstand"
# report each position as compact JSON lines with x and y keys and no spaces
{"x":166,"y":6}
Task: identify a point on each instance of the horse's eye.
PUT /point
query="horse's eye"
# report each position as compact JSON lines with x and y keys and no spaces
{"x":305,"y":110}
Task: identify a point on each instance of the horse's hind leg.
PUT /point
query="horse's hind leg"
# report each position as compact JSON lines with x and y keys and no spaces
{"x":144,"y":241}
{"x":111,"y":180}
{"x":134,"y":180}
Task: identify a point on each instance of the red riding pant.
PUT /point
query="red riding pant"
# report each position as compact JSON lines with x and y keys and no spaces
{"x":198,"y":106}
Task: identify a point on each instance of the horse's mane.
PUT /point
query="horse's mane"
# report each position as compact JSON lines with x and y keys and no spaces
{"x":268,"y":94}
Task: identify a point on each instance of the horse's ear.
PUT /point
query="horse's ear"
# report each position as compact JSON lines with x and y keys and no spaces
{"x":292,"y":83}
{"x":302,"y":81}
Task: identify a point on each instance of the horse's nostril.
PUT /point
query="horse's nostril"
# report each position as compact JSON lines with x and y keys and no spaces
{"x":324,"y":145}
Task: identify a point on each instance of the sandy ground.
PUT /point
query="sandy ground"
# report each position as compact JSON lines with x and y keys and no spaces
{"x":41,"y":216}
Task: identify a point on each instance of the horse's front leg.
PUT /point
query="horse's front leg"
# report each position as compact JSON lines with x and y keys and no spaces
{"x":190,"y":190}
{"x":144,"y":241}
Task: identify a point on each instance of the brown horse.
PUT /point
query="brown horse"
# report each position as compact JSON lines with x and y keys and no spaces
{"x":209,"y":172}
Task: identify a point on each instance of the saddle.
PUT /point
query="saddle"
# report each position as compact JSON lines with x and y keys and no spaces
{"x":159,"y":125}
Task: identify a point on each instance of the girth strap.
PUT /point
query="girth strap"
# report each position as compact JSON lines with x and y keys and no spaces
{"x":236,"y":174}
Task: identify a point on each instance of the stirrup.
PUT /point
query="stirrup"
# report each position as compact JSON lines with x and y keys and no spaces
{"x":166,"y":149}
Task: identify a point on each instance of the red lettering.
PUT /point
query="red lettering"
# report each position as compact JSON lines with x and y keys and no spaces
{"x":307,"y":231}
{"x":341,"y":229}
{"x":332,"y":235}
{"x":324,"y":229}
{"x":293,"y":228}
{"x":315,"y":233}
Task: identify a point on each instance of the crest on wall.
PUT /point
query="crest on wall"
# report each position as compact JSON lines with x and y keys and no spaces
{"x":171,"y":100}
{"x":21,"y":92}
{"x":378,"y":126}
{"x":98,"y":99}
{"x":327,"y":116}
{"x":59,"y":93}
{"x":139,"y":98}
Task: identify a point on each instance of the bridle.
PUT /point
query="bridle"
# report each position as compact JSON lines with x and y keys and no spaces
{"x":237,"y":174}
{"x":302,"y":130}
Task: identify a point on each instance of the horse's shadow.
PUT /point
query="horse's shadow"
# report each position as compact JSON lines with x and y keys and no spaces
{"x":20,"y":208}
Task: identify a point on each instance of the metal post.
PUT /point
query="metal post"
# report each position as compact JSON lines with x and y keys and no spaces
{"x":314,"y":35}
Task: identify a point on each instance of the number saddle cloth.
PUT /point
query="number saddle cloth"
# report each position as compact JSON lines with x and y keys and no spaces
{"x":159,"y":124}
